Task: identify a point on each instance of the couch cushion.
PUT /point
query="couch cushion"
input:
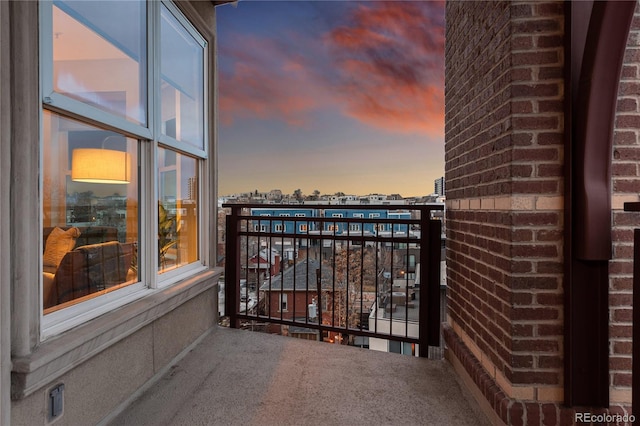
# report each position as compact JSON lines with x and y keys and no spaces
{"x":58,"y":243}
{"x":89,"y":269}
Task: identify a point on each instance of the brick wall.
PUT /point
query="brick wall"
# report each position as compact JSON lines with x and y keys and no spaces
{"x":626,"y":187}
{"x":504,"y":167}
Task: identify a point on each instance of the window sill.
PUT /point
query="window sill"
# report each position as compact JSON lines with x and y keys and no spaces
{"x":61,"y":354}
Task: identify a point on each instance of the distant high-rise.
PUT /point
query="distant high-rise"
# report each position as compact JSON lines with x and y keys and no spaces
{"x":192,"y":188}
{"x":439,"y":186}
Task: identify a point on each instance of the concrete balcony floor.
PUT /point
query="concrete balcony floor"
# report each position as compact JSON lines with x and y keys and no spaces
{"x":235,"y":377}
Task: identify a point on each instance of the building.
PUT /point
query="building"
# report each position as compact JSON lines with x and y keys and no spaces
{"x":107,"y":273}
{"x":438,"y":185}
{"x":539,"y":166}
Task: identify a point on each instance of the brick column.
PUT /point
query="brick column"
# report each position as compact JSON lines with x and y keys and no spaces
{"x":504,"y":174}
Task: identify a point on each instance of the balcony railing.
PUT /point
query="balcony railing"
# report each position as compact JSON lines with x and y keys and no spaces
{"x":337,"y":273}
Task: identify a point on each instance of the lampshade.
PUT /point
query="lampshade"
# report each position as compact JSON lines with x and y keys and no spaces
{"x":100,"y":166}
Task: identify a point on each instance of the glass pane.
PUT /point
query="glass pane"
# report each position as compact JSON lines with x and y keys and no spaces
{"x":177,"y":210}
{"x":182,"y":90}
{"x":99,"y":55}
{"x":90,"y":211}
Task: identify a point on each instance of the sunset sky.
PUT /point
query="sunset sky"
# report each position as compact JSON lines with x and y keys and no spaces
{"x":331,"y":95}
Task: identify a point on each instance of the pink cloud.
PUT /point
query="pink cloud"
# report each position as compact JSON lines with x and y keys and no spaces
{"x":268,"y":82}
{"x":391,"y":60}
{"x":384,"y":67}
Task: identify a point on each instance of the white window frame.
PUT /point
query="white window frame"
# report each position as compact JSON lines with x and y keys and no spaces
{"x":374,"y":215}
{"x":149,"y":139}
{"x":300,"y":215}
{"x":282,"y":302}
{"x":279,"y":227}
{"x":303,"y":227}
{"x":358,"y":215}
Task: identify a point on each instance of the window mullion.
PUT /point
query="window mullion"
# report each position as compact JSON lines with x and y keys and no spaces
{"x":155,"y":121}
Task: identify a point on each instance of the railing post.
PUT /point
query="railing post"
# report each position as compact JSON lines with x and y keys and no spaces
{"x":429,"y":314}
{"x":319,"y":301}
{"x":433,"y":301}
{"x":232,"y":268}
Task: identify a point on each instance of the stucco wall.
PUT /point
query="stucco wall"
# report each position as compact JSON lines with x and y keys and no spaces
{"x":97,"y":386}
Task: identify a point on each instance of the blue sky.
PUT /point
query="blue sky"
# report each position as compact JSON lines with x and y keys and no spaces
{"x":331,"y":95}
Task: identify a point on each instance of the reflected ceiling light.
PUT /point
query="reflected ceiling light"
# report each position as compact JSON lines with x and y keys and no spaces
{"x":100,"y":166}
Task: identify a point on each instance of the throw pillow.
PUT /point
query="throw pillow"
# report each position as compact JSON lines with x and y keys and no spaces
{"x":58,"y":244}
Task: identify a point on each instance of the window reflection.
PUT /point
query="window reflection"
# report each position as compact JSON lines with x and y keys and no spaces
{"x":182,"y":90}
{"x":99,"y":55}
{"x":90,"y":228}
{"x":177,"y":209}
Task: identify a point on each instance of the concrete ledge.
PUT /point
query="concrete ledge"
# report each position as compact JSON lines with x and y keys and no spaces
{"x":58,"y":356}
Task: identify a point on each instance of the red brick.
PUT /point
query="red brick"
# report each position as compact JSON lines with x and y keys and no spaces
{"x":535,"y":58}
{"x":550,"y":330}
{"x":533,"y":413}
{"x":552,"y":361}
{"x":621,"y":379}
{"x":549,"y":414}
{"x":534,"y":313}
{"x":520,"y":90}
{"x":535,"y":377}
{"x":535,"y":345}
{"x":516,"y":414}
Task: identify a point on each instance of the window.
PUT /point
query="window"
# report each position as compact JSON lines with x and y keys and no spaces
{"x":177,"y":210}
{"x":303,"y":227}
{"x":358,"y":215}
{"x":379,"y":227}
{"x":354,"y":227}
{"x":404,"y":348}
{"x":336,"y":215}
{"x":90,"y":211}
{"x":260,"y":228}
{"x":300,"y":215}
{"x":99,"y":56}
{"x":283,"y":302}
{"x":374,"y":215}
{"x":284,"y":215}
{"x":410,"y":261}
{"x":279,"y":227}
{"x":124,"y":140}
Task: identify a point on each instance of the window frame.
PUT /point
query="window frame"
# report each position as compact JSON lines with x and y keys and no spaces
{"x":150,"y":138}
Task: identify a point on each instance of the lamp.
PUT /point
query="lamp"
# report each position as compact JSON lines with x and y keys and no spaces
{"x":95,"y":165}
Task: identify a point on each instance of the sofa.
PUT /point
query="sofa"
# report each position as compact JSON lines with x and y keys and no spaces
{"x":79,"y":261}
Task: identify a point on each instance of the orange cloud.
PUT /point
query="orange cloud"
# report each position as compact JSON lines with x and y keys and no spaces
{"x":391,"y":60}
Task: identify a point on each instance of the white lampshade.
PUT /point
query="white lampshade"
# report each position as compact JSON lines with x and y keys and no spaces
{"x":100,"y":166}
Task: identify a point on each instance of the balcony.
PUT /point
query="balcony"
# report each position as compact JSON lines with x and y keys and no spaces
{"x":365,"y":276}
{"x":241,"y":377}
{"x":236,"y":377}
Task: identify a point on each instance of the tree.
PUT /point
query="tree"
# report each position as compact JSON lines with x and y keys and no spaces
{"x":297,"y":194}
{"x":355,"y":272}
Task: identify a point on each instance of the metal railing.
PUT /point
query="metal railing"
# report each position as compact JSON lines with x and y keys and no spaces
{"x":336,"y":272}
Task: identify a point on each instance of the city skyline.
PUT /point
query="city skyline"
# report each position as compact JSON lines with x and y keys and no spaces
{"x":334,"y":96}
